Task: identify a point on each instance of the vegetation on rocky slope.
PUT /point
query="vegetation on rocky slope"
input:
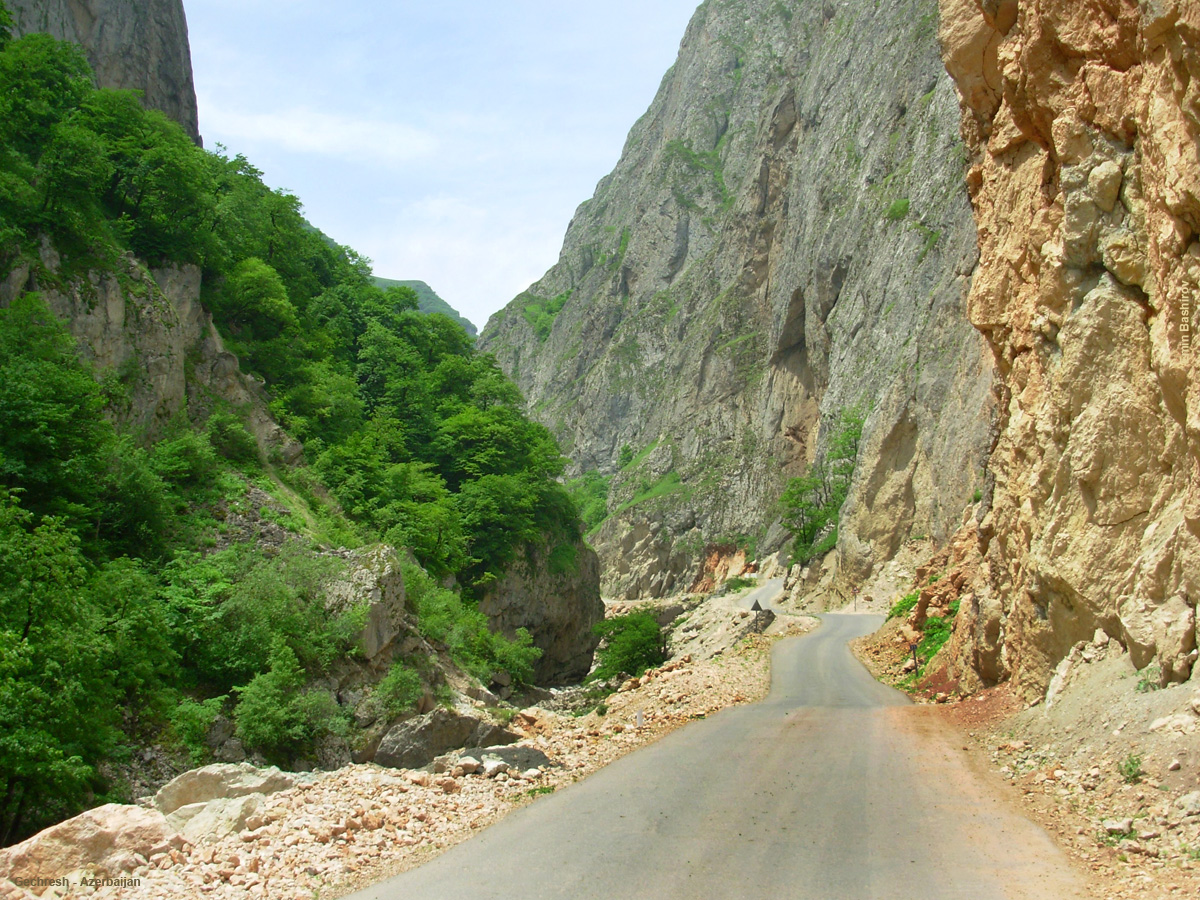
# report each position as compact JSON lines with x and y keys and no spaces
{"x":120,"y":593}
{"x":812,"y":502}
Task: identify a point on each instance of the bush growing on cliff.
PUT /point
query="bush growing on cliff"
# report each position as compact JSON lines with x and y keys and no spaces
{"x":589,"y":493}
{"x":446,"y":618}
{"x":812,"y":502}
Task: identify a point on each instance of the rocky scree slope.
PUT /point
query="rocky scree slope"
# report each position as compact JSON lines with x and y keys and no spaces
{"x":132,"y":45}
{"x":1083,"y":124}
{"x":786,"y":234}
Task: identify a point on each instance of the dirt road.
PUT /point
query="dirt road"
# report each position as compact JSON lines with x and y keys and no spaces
{"x":834,"y":788}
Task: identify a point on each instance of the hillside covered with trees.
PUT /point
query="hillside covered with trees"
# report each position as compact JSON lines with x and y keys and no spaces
{"x":126,"y":615}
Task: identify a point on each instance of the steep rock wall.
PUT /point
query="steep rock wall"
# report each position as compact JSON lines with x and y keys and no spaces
{"x":135,"y":44}
{"x":1083,"y":122}
{"x":786,"y":234}
{"x":558,"y":604}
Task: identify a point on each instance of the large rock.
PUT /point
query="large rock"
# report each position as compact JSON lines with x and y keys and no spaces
{"x":1084,"y":145}
{"x":220,"y":782}
{"x":373,"y":577}
{"x":104,"y":840}
{"x":213,"y":820}
{"x":136,"y":44}
{"x":787,"y":233}
{"x":417,"y":742}
{"x":555,"y":595}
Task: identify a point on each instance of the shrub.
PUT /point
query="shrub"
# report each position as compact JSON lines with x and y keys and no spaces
{"x":1131,"y":768}
{"x":898,"y":210}
{"x":444,"y":616}
{"x":229,"y":437}
{"x":190,"y":722}
{"x":185,"y":460}
{"x":268,"y":715}
{"x":812,"y":502}
{"x":277,"y":716}
{"x":589,"y":493}
{"x":632,"y":644}
{"x":398,"y":692}
{"x":739,"y":583}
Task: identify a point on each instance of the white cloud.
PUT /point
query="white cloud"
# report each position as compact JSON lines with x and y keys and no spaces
{"x":319,"y":133}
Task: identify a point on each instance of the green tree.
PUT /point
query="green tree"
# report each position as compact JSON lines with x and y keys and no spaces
{"x":254,"y":298}
{"x":6,"y":27}
{"x":57,"y":718}
{"x":52,"y":435}
{"x":631,"y":644}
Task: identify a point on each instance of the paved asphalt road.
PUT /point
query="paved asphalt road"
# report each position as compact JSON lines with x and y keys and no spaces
{"x":766,"y":594}
{"x":834,"y":788}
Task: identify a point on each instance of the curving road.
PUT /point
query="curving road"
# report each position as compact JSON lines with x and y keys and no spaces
{"x":834,"y":788}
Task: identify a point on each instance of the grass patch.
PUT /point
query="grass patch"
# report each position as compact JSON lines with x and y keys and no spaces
{"x":668,"y":484}
{"x":629,"y":460}
{"x":898,"y":210}
{"x":541,"y":312}
{"x":904,"y":605}
{"x":1148,"y":679}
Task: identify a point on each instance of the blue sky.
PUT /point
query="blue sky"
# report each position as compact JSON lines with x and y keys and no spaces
{"x":449,"y":142}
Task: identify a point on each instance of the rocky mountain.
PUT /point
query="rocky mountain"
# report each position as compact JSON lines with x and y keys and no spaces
{"x":1082,"y":121}
{"x":787,"y":234}
{"x":141,"y":46}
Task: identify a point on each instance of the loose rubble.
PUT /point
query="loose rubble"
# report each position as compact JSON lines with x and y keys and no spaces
{"x":333,"y":832}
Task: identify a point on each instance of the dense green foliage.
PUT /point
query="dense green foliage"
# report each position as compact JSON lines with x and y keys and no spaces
{"x":428,"y":301}
{"x":589,"y":493}
{"x":420,"y":439}
{"x":812,"y":502}
{"x":120,"y":621}
{"x":904,"y":605}
{"x":631,"y":644}
{"x":447,"y":620}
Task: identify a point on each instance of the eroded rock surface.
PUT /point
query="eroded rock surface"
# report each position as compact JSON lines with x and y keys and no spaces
{"x":418,"y":742}
{"x":786,"y":234}
{"x":555,"y":596}
{"x":140,"y":45}
{"x":1083,"y":122}
{"x":147,"y":327}
{"x":108,"y":840}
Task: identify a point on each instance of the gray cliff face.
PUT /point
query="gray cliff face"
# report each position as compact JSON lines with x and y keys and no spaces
{"x":557,"y":604}
{"x":135,"y":44}
{"x":787,"y":233}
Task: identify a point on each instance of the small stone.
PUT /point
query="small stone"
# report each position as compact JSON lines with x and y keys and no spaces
{"x":1117,"y":826}
{"x":1175,"y":766}
{"x":494,"y":767}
